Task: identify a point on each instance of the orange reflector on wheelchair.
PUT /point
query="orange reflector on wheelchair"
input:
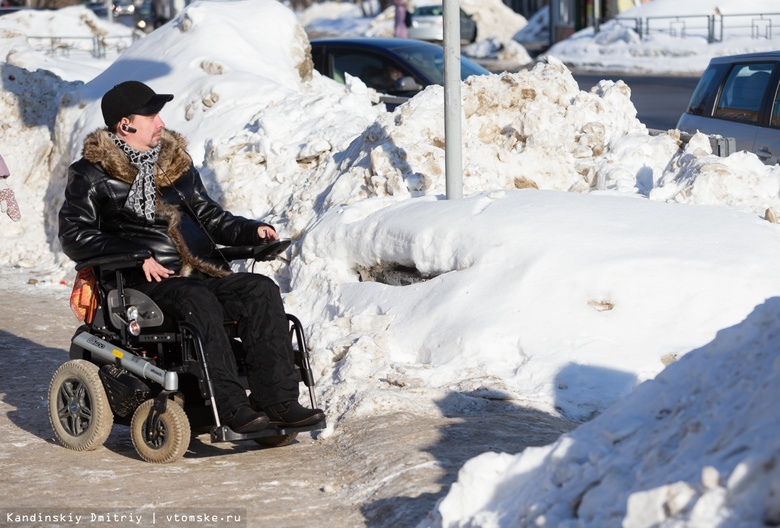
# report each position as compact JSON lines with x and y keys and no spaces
{"x":83,"y":298}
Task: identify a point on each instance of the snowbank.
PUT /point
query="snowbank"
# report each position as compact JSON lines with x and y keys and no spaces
{"x":675,"y":46}
{"x":697,"y":446}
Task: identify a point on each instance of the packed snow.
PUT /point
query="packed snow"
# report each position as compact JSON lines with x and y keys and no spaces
{"x":593,"y":271}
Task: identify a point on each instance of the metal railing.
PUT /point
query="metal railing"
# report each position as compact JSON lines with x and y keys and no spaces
{"x":711,"y":27}
{"x":97,"y":46}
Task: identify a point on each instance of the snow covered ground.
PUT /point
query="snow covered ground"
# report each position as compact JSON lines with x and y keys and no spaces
{"x":592,"y":271}
{"x":673,"y":45}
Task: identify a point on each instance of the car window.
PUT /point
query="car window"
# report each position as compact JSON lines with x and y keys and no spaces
{"x":430,"y":62}
{"x":743,"y":92}
{"x":774,"y":120}
{"x":435,"y":10}
{"x":376,"y":71}
{"x":706,"y":89}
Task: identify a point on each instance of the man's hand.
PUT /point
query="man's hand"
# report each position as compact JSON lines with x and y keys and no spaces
{"x":267,"y":233}
{"x":155,"y":270}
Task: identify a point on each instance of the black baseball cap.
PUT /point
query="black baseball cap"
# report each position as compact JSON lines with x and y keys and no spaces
{"x":131,"y":97}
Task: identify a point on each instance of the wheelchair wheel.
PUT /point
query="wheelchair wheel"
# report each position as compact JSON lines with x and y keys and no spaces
{"x":277,"y":441}
{"x":79,"y":411}
{"x":173,"y":430}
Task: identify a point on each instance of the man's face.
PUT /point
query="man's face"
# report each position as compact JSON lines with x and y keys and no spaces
{"x":148,"y":129}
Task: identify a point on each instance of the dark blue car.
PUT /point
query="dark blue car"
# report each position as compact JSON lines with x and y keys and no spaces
{"x":398,"y":68}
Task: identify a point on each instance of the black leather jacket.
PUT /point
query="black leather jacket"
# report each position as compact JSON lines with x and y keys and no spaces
{"x":94,"y":222}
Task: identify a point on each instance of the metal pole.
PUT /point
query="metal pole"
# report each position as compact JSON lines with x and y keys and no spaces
{"x":453,"y":164}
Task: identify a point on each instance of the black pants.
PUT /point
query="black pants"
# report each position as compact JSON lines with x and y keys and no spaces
{"x":254,"y":303}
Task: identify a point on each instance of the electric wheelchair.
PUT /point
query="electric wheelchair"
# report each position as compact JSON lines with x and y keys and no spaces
{"x":131,"y":365}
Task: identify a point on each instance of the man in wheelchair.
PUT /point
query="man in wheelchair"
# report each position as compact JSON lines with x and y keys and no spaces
{"x":136,"y":191}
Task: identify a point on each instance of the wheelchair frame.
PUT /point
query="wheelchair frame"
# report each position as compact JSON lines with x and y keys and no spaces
{"x":135,"y":367}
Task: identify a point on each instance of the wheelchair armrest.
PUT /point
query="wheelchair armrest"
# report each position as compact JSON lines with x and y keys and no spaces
{"x":263,"y":252}
{"x":117,"y":261}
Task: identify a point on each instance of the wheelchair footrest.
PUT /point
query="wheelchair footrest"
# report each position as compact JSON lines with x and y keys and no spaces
{"x":224,"y":433}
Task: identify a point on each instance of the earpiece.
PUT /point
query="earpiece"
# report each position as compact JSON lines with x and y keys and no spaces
{"x":128,"y":128}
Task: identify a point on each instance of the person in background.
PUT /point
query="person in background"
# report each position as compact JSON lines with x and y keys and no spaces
{"x":162,"y":12}
{"x":402,"y":18}
{"x":136,"y":188}
{"x":8,"y":203}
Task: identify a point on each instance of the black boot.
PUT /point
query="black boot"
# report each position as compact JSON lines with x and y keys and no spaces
{"x":244,"y":420}
{"x":293,"y":413}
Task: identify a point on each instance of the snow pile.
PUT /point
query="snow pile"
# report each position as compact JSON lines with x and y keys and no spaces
{"x":529,"y":129}
{"x":536,"y":32}
{"x":29,"y":104}
{"x":572,"y":328}
{"x":500,"y":50}
{"x":741,"y":181}
{"x":493,"y":17}
{"x":618,"y":47}
{"x":254,"y":116}
{"x":707,"y":455}
{"x":61,"y":40}
{"x":334,"y":19}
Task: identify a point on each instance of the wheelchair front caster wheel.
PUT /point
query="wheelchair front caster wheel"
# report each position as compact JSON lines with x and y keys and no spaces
{"x":79,"y":411}
{"x":172,"y":436}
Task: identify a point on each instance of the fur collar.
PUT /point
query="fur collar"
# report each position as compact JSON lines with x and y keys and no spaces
{"x":173,"y":160}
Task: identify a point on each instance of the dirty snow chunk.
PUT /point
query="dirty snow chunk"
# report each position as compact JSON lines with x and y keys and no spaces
{"x":740,"y":181}
{"x":534,"y":127}
{"x":636,"y":162}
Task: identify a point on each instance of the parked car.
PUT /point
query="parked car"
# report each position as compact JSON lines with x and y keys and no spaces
{"x":428,"y":24}
{"x":123,"y":7}
{"x":397,"y":68}
{"x":737,"y":97}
